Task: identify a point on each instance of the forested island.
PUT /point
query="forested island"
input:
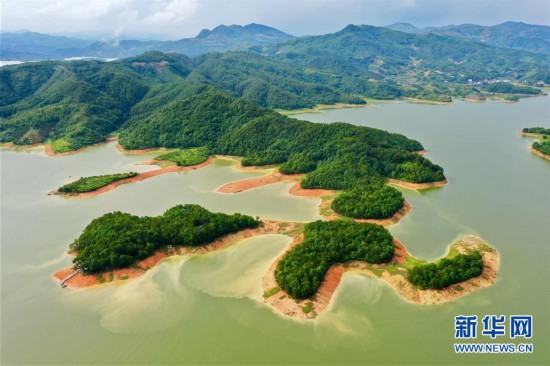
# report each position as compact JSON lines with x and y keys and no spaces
{"x":303,"y":268}
{"x":447,"y":271}
{"x":88,"y":184}
{"x":370,"y":201}
{"x":117,"y":240}
{"x":292,"y":285}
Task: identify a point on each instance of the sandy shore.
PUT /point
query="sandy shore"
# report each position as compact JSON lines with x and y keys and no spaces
{"x":140,"y":151}
{"x":394,"y":273}
{"x":297,"y":190}
{"x":170,"y":168}
{"x":81,"y":280}
{"x":529,"y":134}
{"x":536,"y":152}
{"x":417,"y":186}
{"x":245,"y":185}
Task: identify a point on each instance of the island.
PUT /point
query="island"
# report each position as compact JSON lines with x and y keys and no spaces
{"x":88,"y":184}
{"x":119,"y":246}
{"x":307,"y":302}
{"x":120,"y":240}
{"x":171,"y":162}
{"x":541,"y":147}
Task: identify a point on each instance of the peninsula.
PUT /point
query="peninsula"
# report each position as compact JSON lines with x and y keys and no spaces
{"x":542,"y":146}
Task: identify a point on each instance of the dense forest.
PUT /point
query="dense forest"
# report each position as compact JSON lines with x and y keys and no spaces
{"x":118,"y":239}
{"x":303,"y":268}
{"x":265,"y":137}
{"x":88,"y":184}
{"x":369,"y":201}
{"x":537,"y":130}
{"x":543,"y":146}
{"x":446,"y":271}
{"x":508,"y":88}
{"x":186,"y":157}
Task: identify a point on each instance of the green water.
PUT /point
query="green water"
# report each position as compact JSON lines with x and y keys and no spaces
{"x":208,"y":309}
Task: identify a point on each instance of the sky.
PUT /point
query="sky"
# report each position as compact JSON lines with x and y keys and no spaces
{"x":175,"y":19}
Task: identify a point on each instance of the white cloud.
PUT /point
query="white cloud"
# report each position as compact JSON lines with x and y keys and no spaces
{"x":174,"y":12}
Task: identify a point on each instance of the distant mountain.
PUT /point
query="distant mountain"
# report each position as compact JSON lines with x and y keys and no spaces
{"x":27,"y":46}
{"x":515,"y":35}
{"x":220,"y":39}
{"x":384,"y":54}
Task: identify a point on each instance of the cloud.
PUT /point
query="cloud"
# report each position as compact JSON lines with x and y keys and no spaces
{"x":174,"y":12}
{"x":184,"y":18}
{"x":82,"y":15}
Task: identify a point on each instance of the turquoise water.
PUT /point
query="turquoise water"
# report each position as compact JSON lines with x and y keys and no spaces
{"x":208,"y":309}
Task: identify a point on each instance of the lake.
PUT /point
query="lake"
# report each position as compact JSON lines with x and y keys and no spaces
{"x":208,"y":309}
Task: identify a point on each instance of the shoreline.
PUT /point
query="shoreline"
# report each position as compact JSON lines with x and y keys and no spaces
{"x":541,"y":154}
{"x":49,"y":151}
{"x":140,"y":268}
{"x":418,"y":186}
{"x":247,"y":184}
{"x":538,"y":136}
{"x":171,"y":168}
{"x":393,"y":273}
{"x":140,"y":151}
{"x":530,"y":134}
{"x":326,"y":196}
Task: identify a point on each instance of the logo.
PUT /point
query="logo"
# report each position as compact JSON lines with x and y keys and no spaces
{"x":493,"y":327}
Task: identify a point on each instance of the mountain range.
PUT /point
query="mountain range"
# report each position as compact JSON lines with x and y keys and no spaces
{"x":74,"y":104}
{"x":30,"y":46}
{"x":515,"y":35}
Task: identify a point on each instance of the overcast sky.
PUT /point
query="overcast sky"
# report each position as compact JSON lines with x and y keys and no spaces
{"x":173,"y":19}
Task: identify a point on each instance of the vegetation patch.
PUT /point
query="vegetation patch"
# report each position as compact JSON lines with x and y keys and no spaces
{"x":537,"y":130}
{"x":271,"y":292}
{"x":308,"y":307}
{"x":88,"y":184}
{"x":446,"y":271}
{"x":370,"y":201}
{"x":117,"y":240}
{"x":303,"y":268}
{"x":61,"y":146}
{"x":543,"y":146}
{"x":186,"y":157}
{"x":508,"y":88}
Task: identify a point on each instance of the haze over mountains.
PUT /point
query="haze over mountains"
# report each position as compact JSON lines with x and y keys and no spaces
{"x":30,"y":46}
{"x":516,"y":35}
{"x":35,"y":46}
